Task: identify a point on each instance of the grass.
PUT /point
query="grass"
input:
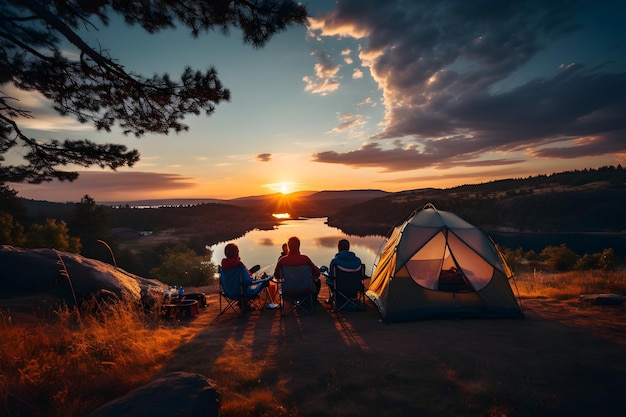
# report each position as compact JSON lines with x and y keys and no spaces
{"x":569,"y":285}
{"x":70,"y":362}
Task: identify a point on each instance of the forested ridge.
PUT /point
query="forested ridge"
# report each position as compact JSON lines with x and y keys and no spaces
{"x":574,"y":201}
{"x":589,"y":200}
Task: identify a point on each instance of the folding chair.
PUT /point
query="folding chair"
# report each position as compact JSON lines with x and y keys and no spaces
{"x":233,"y":293}
{"x":348,"y":288}
{"x":296,"y":288}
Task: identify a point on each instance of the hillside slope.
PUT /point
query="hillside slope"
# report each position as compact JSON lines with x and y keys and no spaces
{"x":577,"y":201}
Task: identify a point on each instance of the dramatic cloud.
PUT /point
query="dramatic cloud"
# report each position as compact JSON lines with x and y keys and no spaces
{"x":451,"y":76}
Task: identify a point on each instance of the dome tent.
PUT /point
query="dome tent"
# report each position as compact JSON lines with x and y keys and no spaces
{"x":436,"y":264}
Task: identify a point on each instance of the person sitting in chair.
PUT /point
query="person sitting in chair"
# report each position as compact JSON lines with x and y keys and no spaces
{"x":295,"y":258}
{"x":251,"y":287}
{"x":284,"y":251}
{"x":343,"y":258}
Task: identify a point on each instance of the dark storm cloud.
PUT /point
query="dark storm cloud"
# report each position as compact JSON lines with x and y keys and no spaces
{"x":372,"y":155}
{"x":444,"y":67}
{"x":264,"y":157}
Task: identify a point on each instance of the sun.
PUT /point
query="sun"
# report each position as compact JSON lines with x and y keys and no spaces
{"x":282,"y":188}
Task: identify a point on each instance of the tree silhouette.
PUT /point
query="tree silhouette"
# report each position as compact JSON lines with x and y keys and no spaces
{"x":90,"y":223}
{"x":97,"y":89}
{"x":11,"y":204}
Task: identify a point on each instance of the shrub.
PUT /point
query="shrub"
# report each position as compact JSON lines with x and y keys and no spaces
{"x":559,"y":258}
{"x":181,"y":266}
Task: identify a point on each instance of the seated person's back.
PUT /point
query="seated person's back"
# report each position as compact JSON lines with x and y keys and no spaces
{"x":343,"y":258}
{"x":232,"y":262}
{"x":295,"y":258}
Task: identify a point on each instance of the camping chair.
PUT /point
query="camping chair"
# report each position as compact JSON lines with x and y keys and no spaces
{"x":296,"y":288}
{"x":233,"y":293}
{"x":348,"y":288}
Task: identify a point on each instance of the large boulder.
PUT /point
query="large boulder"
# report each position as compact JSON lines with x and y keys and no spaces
{"x":67,"y":276}
{"x":175,"y":394}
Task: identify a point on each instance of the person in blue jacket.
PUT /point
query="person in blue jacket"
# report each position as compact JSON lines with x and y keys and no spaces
{"x":344,"y":258}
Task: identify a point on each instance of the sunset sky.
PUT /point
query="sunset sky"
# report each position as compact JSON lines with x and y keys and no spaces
{"x":391,"y":95}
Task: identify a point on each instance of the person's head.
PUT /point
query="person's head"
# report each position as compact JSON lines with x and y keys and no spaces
{"x":285,"y":248}
{"x":343,"y":244}
{"x":231,"y":251}
{"x":294,"y":244}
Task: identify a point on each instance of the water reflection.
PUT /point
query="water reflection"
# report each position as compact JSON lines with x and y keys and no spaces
{"x":318,"y":242}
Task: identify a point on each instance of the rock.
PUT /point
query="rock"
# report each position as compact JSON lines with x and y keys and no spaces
{"x":603,"y":299}
{"x":175,"y":394}
{"x":65,"y":275}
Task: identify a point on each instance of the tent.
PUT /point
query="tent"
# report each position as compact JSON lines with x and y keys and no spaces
{"x":436,"y":264}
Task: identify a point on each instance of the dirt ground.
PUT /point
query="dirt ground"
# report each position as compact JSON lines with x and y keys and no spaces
{"x":563,"y":359}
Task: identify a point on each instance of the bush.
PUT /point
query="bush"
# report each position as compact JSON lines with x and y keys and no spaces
{"x":181,"y":266}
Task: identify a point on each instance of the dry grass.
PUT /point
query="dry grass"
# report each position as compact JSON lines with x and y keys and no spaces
{"x":72,"y":362}
{"x":570,"y":285}
{"x":325,"y":364}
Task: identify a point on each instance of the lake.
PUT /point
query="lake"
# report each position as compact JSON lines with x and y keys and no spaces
{"x":317,"y":240}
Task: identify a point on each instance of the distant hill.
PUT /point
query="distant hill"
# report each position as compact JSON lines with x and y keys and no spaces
{"x":179,"y":212}
{"x":307,"y":203}
{"x":591,"y":200}
{"x":299,"y":203}
{"x":38,"y":211}
{"x":163,"y":202}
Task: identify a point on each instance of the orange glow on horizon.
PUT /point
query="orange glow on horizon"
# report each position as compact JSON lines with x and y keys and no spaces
{"x":282,"y":205}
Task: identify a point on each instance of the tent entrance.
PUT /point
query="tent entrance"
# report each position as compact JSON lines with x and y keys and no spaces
{"x":434,"y":266}
{"x":452,"y":280}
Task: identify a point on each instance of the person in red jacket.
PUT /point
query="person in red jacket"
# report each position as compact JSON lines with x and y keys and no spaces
{"x":295,"y":258}
{"x":232,"y":260}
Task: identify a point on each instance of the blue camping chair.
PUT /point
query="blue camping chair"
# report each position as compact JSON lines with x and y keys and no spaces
{"x":236,"y":295}
{"x":296,"y":289}
{"x":348,"y":289}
